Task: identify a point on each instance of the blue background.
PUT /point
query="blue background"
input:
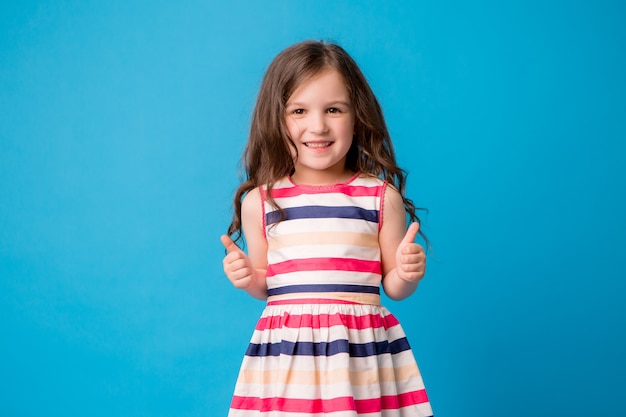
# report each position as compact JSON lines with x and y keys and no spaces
{"x":121,"y":128}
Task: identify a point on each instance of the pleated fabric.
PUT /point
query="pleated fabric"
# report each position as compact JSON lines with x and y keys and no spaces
{"x":324,"y":346}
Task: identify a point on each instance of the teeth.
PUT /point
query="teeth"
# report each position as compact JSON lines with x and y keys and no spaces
{"x":317,"y":144}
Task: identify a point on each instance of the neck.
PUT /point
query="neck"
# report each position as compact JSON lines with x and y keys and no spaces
{"x":322,"y":178}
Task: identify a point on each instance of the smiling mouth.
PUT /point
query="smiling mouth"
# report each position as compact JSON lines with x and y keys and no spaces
{"x":317,"y":144}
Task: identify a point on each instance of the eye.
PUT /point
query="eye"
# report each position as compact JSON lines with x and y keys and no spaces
{"x":297,"y":111}
{"x":334,"y":110}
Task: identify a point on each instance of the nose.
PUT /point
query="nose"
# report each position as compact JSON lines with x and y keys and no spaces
{"x":317,"y":123}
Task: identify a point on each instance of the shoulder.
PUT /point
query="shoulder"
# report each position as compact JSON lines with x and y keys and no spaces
{"x":392,"y":194}
{"x":393,"y":204}
{"x":368,"y":180}
{"x":252,"y":202}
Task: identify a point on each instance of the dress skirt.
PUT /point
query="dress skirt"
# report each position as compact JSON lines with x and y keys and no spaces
{"x":329,"y":359}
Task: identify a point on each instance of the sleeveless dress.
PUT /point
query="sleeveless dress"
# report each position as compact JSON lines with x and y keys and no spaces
{"x":324,"y":346}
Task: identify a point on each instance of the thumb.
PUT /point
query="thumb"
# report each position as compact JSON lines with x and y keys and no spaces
{"x":229,"y":244}
{"x":411,"y":233}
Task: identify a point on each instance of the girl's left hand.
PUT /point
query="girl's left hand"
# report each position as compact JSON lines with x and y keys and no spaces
{"x":410,"y":256}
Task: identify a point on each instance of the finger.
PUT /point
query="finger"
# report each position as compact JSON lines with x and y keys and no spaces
{"x":229,"y":244}
{"x":409,"y":268}
{"x":239,"y":274}
{"x":413,"y":249}
{"x":410,"y":248}
{"x":234,"y":260}
{"x":411,"y":233}
{"x":413,"y":276}
{"x":413,"y":259}
{"x":241,"y":283}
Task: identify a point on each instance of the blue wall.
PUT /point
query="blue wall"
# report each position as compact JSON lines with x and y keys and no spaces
{"x":121,"y":126}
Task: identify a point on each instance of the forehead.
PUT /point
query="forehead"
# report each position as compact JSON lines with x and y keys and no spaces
{"x":328,"y":81}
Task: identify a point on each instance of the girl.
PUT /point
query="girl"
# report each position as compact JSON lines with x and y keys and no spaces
{"x":324,"y":219}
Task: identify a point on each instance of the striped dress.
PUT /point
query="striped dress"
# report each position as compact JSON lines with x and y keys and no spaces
{"x":324,"y":346}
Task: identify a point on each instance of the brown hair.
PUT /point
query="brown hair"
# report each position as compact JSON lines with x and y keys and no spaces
{"x":267,"y":157}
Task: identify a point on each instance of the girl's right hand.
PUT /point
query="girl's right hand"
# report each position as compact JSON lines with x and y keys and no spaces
{"x":237,"y":265}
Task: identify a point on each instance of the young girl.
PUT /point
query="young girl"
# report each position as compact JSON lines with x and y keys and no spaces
{"x":324,"y":219}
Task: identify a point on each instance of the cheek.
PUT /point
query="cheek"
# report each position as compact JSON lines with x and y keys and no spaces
{"x":348,"y":128}
{"x":292,"y":128}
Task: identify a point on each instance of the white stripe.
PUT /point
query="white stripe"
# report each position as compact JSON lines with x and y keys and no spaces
{"x":329,"y":391}
{"x":306,"y":251}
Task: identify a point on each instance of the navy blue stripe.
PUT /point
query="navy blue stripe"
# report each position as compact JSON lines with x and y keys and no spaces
{"x":289,"y":289}
{"x":355,"y":350}
{"x":323,"y":212}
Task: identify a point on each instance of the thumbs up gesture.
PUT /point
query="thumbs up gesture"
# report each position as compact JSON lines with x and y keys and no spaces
{"x":237,"y":265}
{"x":410,"y":256}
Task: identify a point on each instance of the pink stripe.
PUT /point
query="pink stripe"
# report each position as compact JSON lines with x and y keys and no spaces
{"x":309,"y":301}
{"x":324,"y":264}
{"x":412,"y":398}
{"x":296,"y":405}
{"x":369,"y":321}
{"x":350,"y":190}
{"x":292,"y":405}
{"x":391,"y":402}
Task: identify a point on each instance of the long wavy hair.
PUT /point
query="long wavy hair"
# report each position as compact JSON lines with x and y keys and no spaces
{"x":268,"y":155}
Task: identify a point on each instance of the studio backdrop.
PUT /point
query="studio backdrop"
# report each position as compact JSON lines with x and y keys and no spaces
{"x":122,"y":125}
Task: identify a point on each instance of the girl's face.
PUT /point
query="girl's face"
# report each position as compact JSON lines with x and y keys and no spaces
{"x":320,"y":121}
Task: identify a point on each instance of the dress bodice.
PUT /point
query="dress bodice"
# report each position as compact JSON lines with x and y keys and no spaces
{"x":324,"y":247}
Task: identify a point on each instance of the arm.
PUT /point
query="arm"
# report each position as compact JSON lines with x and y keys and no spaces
{"x":247,"y":272}
{"x":403,"y":262}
